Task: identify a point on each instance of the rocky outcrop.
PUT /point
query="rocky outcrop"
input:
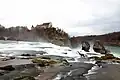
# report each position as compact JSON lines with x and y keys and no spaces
{"x":85,"y":46}
{"x":44,"y":32}
{"x":47,"y":61}
{"x":99,"y":47}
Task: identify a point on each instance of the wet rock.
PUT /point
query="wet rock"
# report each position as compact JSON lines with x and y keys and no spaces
{"x":41,"y":52}
{"x":70,"y":59}
{"x":85,"y":46}
{"x":2,"y":72}
{"x":11,"y":38}
{"x":8,"y":68}
{"x":65,"y":62}
{"x":99,"y":63}
{"x":99,"y":47}
{"x":24,"y":78}
{"x":69,"y":50}
{"x":82,"y":55}
{"x":21,"y":67}
{"x":107,"y":56}
{"x":45,"y":57}
{"x":44,"y":62}
{"x":8,"y":58}
{"x":28,"y":55}
{"x":95,"y":58}
{"x":64,"y":53}
{"x":2,"y":38}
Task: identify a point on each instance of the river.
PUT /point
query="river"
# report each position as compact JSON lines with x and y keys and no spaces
{"x":15,"y":48}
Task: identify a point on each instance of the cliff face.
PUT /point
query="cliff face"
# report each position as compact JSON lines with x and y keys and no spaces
{"x":107,"y":39}
{"x":44,"y":32}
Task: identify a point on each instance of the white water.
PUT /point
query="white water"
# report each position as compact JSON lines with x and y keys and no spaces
{"x":14,"y":48}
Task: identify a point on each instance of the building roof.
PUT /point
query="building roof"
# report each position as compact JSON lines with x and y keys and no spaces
{"x":44,"y":24}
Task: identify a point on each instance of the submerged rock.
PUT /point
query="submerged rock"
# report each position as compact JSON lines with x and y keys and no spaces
{"x":99,"y":47}
{"x":85,"y":46}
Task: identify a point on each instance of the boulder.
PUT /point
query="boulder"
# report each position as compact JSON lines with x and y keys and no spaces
{"x":7,"y":68}
{"x":85,"y":46}
{"x":44,"y":62}
{"x":99,"y":47}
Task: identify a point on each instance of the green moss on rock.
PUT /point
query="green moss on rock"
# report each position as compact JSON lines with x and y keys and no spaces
{"x":107,"y":56}
{"x":24,"y":78}
{"x":96,"y":58}
{"x":44,"y":62}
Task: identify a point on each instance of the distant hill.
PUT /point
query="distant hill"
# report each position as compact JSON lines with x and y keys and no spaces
{"x":47,"y":33}
{"x":43,"y":32}
{"x":107,"y":39}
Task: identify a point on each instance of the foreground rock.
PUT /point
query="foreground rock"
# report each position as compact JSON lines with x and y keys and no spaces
{"x":47,"y":61}
{"x":108,"y":58}
{"x":43,"y":62}
{"x":19,"y":72}
{"x":85,"y":46}
{"x":25,"y":78}
{"x":74,"y":72}
{"x":99,"y":47}
{"x":107,"y":72}
{"x":7,"y":68}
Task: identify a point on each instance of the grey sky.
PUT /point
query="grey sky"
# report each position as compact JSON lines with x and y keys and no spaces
{"x":77,"y":17}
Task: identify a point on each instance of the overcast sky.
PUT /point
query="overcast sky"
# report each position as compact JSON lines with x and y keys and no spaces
{"x":77,"y":17}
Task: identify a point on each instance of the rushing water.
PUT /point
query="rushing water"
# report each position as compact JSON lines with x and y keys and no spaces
{"x":14,"y":48}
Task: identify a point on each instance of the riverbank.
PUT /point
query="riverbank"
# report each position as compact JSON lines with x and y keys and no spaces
{"x":22,"y":68}
{"x":74,"y":71}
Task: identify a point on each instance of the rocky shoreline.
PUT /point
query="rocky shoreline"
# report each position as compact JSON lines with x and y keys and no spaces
{"x":59,"y":63}
{"x":56,"y":68}
{"x":15,"y":71}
